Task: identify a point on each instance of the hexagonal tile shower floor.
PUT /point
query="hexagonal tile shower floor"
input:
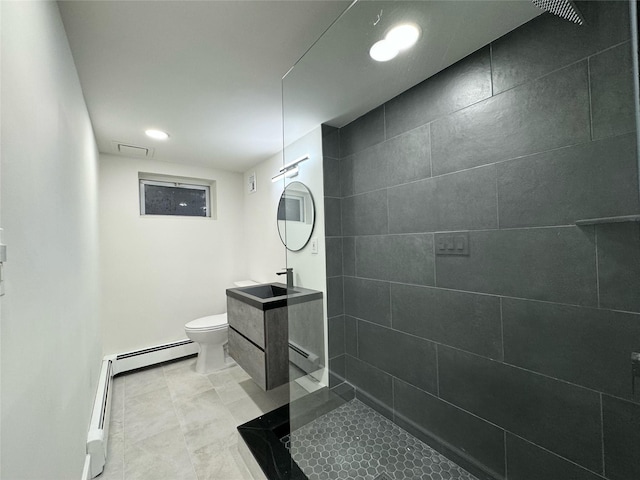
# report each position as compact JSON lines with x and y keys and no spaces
{"x":354,"y":441}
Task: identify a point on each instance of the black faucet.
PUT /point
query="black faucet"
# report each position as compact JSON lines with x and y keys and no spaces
{"x":289,"y":273}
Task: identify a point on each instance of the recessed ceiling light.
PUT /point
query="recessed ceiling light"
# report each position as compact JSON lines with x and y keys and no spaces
{"x":403,"y":36}
{"x":157,"y":134}
{"x":383,"y":51}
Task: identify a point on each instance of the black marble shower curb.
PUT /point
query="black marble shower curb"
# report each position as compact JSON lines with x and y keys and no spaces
{"x":262,"y":434}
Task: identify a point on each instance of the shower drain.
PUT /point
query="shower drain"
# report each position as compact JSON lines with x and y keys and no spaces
{"x":382,"y":476}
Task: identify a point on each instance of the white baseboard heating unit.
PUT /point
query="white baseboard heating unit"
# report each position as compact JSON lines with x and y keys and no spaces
{"x":98,"y":435}
{"x":99,"y":425}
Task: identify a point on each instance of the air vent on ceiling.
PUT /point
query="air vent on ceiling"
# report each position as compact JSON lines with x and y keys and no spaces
{"x":130,"y":150}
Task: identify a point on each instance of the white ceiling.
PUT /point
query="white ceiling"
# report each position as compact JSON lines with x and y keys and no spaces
{"x":209,"y":72}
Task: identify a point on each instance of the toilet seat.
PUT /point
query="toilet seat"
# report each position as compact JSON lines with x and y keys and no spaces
{"x":211,"y":322}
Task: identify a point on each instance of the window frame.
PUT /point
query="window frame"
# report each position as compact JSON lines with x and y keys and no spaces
{"x":169,"y":183}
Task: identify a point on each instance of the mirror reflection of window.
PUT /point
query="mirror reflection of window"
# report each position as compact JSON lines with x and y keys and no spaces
{"x":291,"y":208}
{"x":296,"y":216}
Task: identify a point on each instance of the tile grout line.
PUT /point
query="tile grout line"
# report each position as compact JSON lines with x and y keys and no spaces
{"x":175,"y":412}
{"x":430,"y":152}
{"x":595,"y":239}
{"x":590,"y":100}
{"x":604,"y":468}
{"x":506,"y":463}
{"x":502,"y":330}
{"x":491,"y":67}
{"x":497,"y":201}
{"x":437,"y":371}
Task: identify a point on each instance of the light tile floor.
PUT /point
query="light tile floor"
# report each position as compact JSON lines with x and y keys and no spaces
{"x":169,"y":422}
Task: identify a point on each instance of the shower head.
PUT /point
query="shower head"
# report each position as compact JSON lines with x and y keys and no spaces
{"x":563,"y":8}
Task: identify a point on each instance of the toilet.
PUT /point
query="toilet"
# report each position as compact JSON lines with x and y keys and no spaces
{"x":211,"y":335}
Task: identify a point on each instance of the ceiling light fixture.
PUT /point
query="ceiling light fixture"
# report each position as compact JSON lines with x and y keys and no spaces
{"x":383,"y":51}
{"x":403,"y":36}
{"x":400,"y":37}
{"x":157,"y":134}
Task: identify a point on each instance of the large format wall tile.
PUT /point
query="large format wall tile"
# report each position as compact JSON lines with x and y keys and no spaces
{"x":333,"y":246}
{"x":619,"y":266}
{"x":549,"y":113}
{"x":331,"y":176}
{"x":621,"y":438}
{"x":399,"y":258}
{"x":586,"y":346}
{"x":467,"y":321}
{"x":612,"y":99}
{"x":330,"y":141}
{"x":402,"y":159}
{"x":460,"y":201}
{"x":409,"y":156}
{"x":349,"y":256}
{"x":335,"y":302}
{"x":346,"y":176}
{"x":351,"y":335}
{"x":332,"y":217}
{"x":337,"y":370}
{"x":549,"y":42}
{"x":596,"y":179}
{"x":554,"y":264}
{"x":526,"y":461}
{"x":460,"y":85}
{"x":406,"y":357}
{"x":560,"y":417}
{"x":368,"y":300}
{"x":365,"y":214}
{"x":370,"y":380}
{"x":363,"y":132}
{"x":335,"y":332}
{"x":428,"y":417}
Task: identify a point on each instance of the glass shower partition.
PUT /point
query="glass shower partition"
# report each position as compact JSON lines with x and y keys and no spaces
{"x":380,"y":379}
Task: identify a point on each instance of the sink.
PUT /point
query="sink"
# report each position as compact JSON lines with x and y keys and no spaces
{"x":267,"y":291}
{"x":258,"y":319}
{"x":268,"y":296}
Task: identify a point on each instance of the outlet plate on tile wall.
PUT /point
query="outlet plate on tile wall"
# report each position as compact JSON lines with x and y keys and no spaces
{"x":456,"y":243}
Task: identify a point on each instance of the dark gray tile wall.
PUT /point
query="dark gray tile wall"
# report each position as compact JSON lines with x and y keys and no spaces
{"x":515,"y":358}
{"x":548,"y":43}
{"x":612,"y":115}
{"x":526,"y":461}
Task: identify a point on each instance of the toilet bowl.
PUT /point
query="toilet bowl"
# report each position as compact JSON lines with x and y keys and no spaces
{"x":211,"y":335}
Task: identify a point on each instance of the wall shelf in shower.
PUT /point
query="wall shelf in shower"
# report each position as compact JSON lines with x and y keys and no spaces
{"x":618,"y":219}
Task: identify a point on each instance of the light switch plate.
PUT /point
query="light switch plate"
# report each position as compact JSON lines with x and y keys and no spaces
{"x":314,"y":246}
{"x":456,"y":243}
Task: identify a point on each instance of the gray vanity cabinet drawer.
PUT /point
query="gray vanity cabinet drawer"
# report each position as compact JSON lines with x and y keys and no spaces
{"x":247,"y":320}
{"x":249,"y":357}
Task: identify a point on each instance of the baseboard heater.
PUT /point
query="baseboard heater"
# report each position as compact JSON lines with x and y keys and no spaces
{"x":99,"y":425}
{"x":98,"y":435}
{"x":151,"y":356}
{"x":303,"y":358}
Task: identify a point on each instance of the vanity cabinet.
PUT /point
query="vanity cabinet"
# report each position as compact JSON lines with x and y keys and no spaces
{"x":259,"y":330}
{"x":258,"y":342}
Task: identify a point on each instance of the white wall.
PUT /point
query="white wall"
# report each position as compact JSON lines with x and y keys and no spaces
{"x":49,"y":330}
{"x":266,"y":252}
{"x":160,"y":272}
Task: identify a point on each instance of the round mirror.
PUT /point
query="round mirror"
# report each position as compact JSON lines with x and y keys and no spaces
{"x":296,"y":216}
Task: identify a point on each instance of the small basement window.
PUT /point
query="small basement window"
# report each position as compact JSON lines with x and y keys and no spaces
{"x":166,"y":197}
